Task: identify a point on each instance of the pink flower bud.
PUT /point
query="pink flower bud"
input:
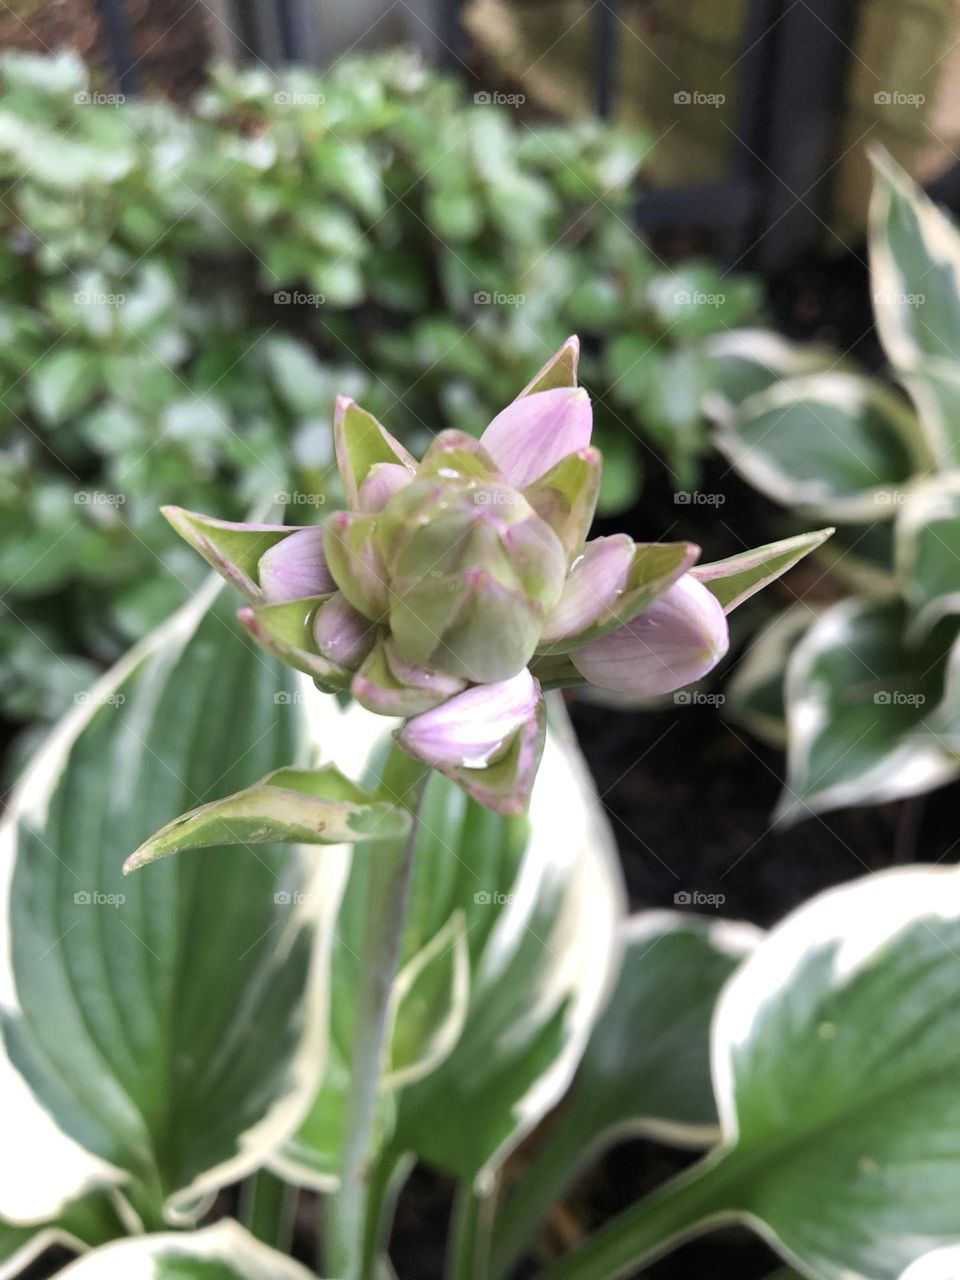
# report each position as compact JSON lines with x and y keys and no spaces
{"x":295,"y":567}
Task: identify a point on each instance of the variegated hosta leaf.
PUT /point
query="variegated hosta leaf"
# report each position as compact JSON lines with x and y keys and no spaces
{"x":836,"y":1069}
{"x":940,"y":1264}
{"x":128,"y":1003}
{"x":646,"y":1068}
{"x":88,"y":1222}
{"x":928,"y":551}
{"x":858,"y":700}
{"x":746,"y":361}
{"x":739,"y":577}
{"x":755,"y":694}
{"x":914,"y":270}
{"x":538,"y":899}
{"x":934,"y":387}
{"x":836,"y":443}
{"x":861,"y":555}
{"x":224,"y":1251}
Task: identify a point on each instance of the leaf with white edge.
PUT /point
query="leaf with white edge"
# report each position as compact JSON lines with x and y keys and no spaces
{"x":538,"y":981}
{"x":288,"y":806}
{"x":914,"y":269}
{"x":739,"y":577}
{"x":231,"y":548}
{"x":646,"y":1068}
{"x":86,"y":1223}
{"x":106,"y":983}
{"x":861,"y":555}
{"x":755,"y":694}
{"x":540,"y":897}
{"x":835,"y":443}
{"x":934,"y":387}
{"x":928,"y":551}
{"x":745,"y":361}
{"x":857,"y":700}
{"x":224,"y":1251}
{"x":836,"y":1069}
{"x":429,"y":1004}
{"x":940,"y":1264}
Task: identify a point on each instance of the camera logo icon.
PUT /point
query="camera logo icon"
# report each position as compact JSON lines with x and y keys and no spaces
{"x":682,"y":898}
{"x":682,"y":98}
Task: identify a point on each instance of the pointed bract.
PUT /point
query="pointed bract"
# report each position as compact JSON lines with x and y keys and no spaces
{"x":681,"y":637}
{"x":566,"y":497}
{"x":232,"y":548}
{"x":741,"y":576}
{"x":286,"y":631}
{"x":361,"y":442}
{"x":389,"y":686}
{"x":559,"y":371}
{"x":532,"y":435}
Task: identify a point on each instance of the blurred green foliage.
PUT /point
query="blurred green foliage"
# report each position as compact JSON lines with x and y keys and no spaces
{"x":184,"y":293}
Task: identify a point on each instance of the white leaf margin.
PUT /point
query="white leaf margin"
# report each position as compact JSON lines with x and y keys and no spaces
{"x":939,"y":1264}
{"x":917,"y":764}
{"x":768,"y":350}
{"x":928,"y":501}
{"x":68,"y":1170}
{"x":863,"y":917}
{"x":226,"y":1241}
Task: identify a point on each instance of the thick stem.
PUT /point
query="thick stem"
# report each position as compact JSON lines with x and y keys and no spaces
{"x":468,"y":1248}
{"x":390,"y":868}
{"x":685,"y":1207}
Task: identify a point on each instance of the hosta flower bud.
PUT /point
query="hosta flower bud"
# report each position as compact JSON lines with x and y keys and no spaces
{"x":295,"y":567}
{"x":677,"y":640}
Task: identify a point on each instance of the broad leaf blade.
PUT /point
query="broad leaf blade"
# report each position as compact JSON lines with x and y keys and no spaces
{"x":224,"y":1251}
{"x":114,"y":1027}
{"x":928,"y":550}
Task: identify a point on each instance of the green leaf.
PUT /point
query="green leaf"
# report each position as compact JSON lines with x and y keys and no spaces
{"x":361,"y":442}
{"x":743,"y":362}
{"x":111,"y":1020}
{"x":61,"y":383}
{"x":224,"y":1251}
{"x":835,"y":1054}
{"x":927,"y":551}
{"x":88,"y":1222}
{"x":646,"y":1068}
{"x":288,"y":806}
{"x":755,"y":693}
{"x":914,"y":269}
{"x":559,"y":371}
{"x":858,"y":697}
{"x":833,"y":442}
{"x":738,"y":577}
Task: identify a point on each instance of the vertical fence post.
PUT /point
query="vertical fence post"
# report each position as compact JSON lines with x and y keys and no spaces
{"x":117,"y":30}
{"x":605,"y":35}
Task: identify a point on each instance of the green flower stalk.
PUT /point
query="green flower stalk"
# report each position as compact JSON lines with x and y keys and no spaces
{"x":452,"y":589}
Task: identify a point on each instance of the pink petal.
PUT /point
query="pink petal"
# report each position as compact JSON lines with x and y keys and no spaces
{"x":534,"y":432}
{"x":343,"y":635}
{"x":681,"y":637}
{"x":382,"y":482}
{"x":295,"y":567}
{"x":597,"y":578}
{"x":471,"y":728}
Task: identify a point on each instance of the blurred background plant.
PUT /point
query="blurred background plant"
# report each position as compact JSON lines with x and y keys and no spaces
{"x":185,"y":292}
